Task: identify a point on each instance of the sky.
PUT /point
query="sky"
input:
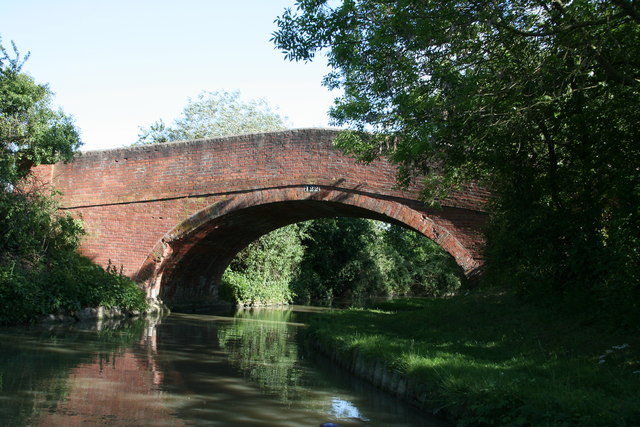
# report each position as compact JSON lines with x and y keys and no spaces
{"x":120,"y":64}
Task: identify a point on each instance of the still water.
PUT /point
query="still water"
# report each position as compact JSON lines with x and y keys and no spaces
{"x":242,"y":369}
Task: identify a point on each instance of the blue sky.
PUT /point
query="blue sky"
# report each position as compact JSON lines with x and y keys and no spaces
{"x":120,"y":64}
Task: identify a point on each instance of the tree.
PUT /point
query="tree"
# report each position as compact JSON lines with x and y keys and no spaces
{"x":537,"y":98}
{"x":31,"y":132}
{"x":415,"y":265}
{"x":40,"y":269}
{"x":339,"y":261}
{"x":215,"y":114}
{"x":357,"y":258}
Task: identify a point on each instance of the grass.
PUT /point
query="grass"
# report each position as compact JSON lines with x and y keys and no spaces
{"x":492,"y":359}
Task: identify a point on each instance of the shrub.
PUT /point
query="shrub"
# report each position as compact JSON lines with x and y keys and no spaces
{"x":40,"y":270}
{"x":261,"y":273}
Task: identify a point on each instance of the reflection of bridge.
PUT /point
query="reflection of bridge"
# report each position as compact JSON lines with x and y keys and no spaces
{"x":174,"y":215}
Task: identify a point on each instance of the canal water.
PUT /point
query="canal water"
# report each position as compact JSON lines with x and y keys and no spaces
{"x":246,"y":368}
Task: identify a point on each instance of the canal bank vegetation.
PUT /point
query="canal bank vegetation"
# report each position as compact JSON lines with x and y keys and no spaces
{"x":488,"y":358}
{"x":352,"y":259}
{"x":40,"y":269}
{"x":261,"y":273}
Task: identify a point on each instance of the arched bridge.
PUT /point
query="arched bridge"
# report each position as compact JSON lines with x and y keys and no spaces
{"x":174,"y":215}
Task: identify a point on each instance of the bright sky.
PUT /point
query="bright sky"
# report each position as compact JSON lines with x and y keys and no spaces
{"x":119,"y":64}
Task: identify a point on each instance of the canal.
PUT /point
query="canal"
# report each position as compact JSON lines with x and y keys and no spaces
{"x":244,"y":368}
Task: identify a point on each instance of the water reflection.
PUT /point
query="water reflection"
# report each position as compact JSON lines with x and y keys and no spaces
{"x":245,"y":370}
{"x":259,"y":344}
{"x":344,"y":410}
{"x":41,"y":368}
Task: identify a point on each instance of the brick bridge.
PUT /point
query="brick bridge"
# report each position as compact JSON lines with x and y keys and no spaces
{"x":174,"y":215}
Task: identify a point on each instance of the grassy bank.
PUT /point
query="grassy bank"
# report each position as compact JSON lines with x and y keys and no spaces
{"x":491,"y":359}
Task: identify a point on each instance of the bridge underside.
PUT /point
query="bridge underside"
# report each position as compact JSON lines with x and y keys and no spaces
{"x":200,"y":260}
{"x":186,"y":267}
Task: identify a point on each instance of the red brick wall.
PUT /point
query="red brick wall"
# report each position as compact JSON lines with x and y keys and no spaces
{"x":184,"y":208}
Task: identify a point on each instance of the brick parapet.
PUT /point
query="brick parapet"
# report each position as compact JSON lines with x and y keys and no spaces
{"x":227,"y":165}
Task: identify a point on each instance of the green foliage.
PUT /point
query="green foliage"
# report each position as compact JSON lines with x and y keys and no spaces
{"x":537,"y":99}
{"x":30,"y":131}
{"x":215,"y":114}
{"x":415,"y":265}
{"x":357,"y":258}
{"x":339,"y":261}
{"x":110,"y":288}
{"x":40,"y":270}
{"x":21,"y":296}
{"x":261,"y":273}
{"x":339,"y":258}
{"x":62,"y":284}
{"x":35,"y":230}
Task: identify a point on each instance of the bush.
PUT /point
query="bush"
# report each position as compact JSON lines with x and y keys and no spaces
{"x":27,"y":292}
{"x":261,"y":273}
{"x":40,"y":270}
{"x":241,"y":288}
{"x":21,"y":297}
{"x":549,"y":257}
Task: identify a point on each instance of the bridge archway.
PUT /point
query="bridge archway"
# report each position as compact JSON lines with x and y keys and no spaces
{"x":161,"y":210}
{"x":186,"y":265}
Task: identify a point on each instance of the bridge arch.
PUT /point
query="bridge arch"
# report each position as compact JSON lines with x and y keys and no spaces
{"x":159,"y":211}
{"x":188,"y":262}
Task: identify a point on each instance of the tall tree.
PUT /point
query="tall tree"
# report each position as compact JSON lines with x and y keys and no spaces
{"x":539,"y":98}
{"x":339,"y":261}
{"x":357,"y":258}
{"x":215,"y":114}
